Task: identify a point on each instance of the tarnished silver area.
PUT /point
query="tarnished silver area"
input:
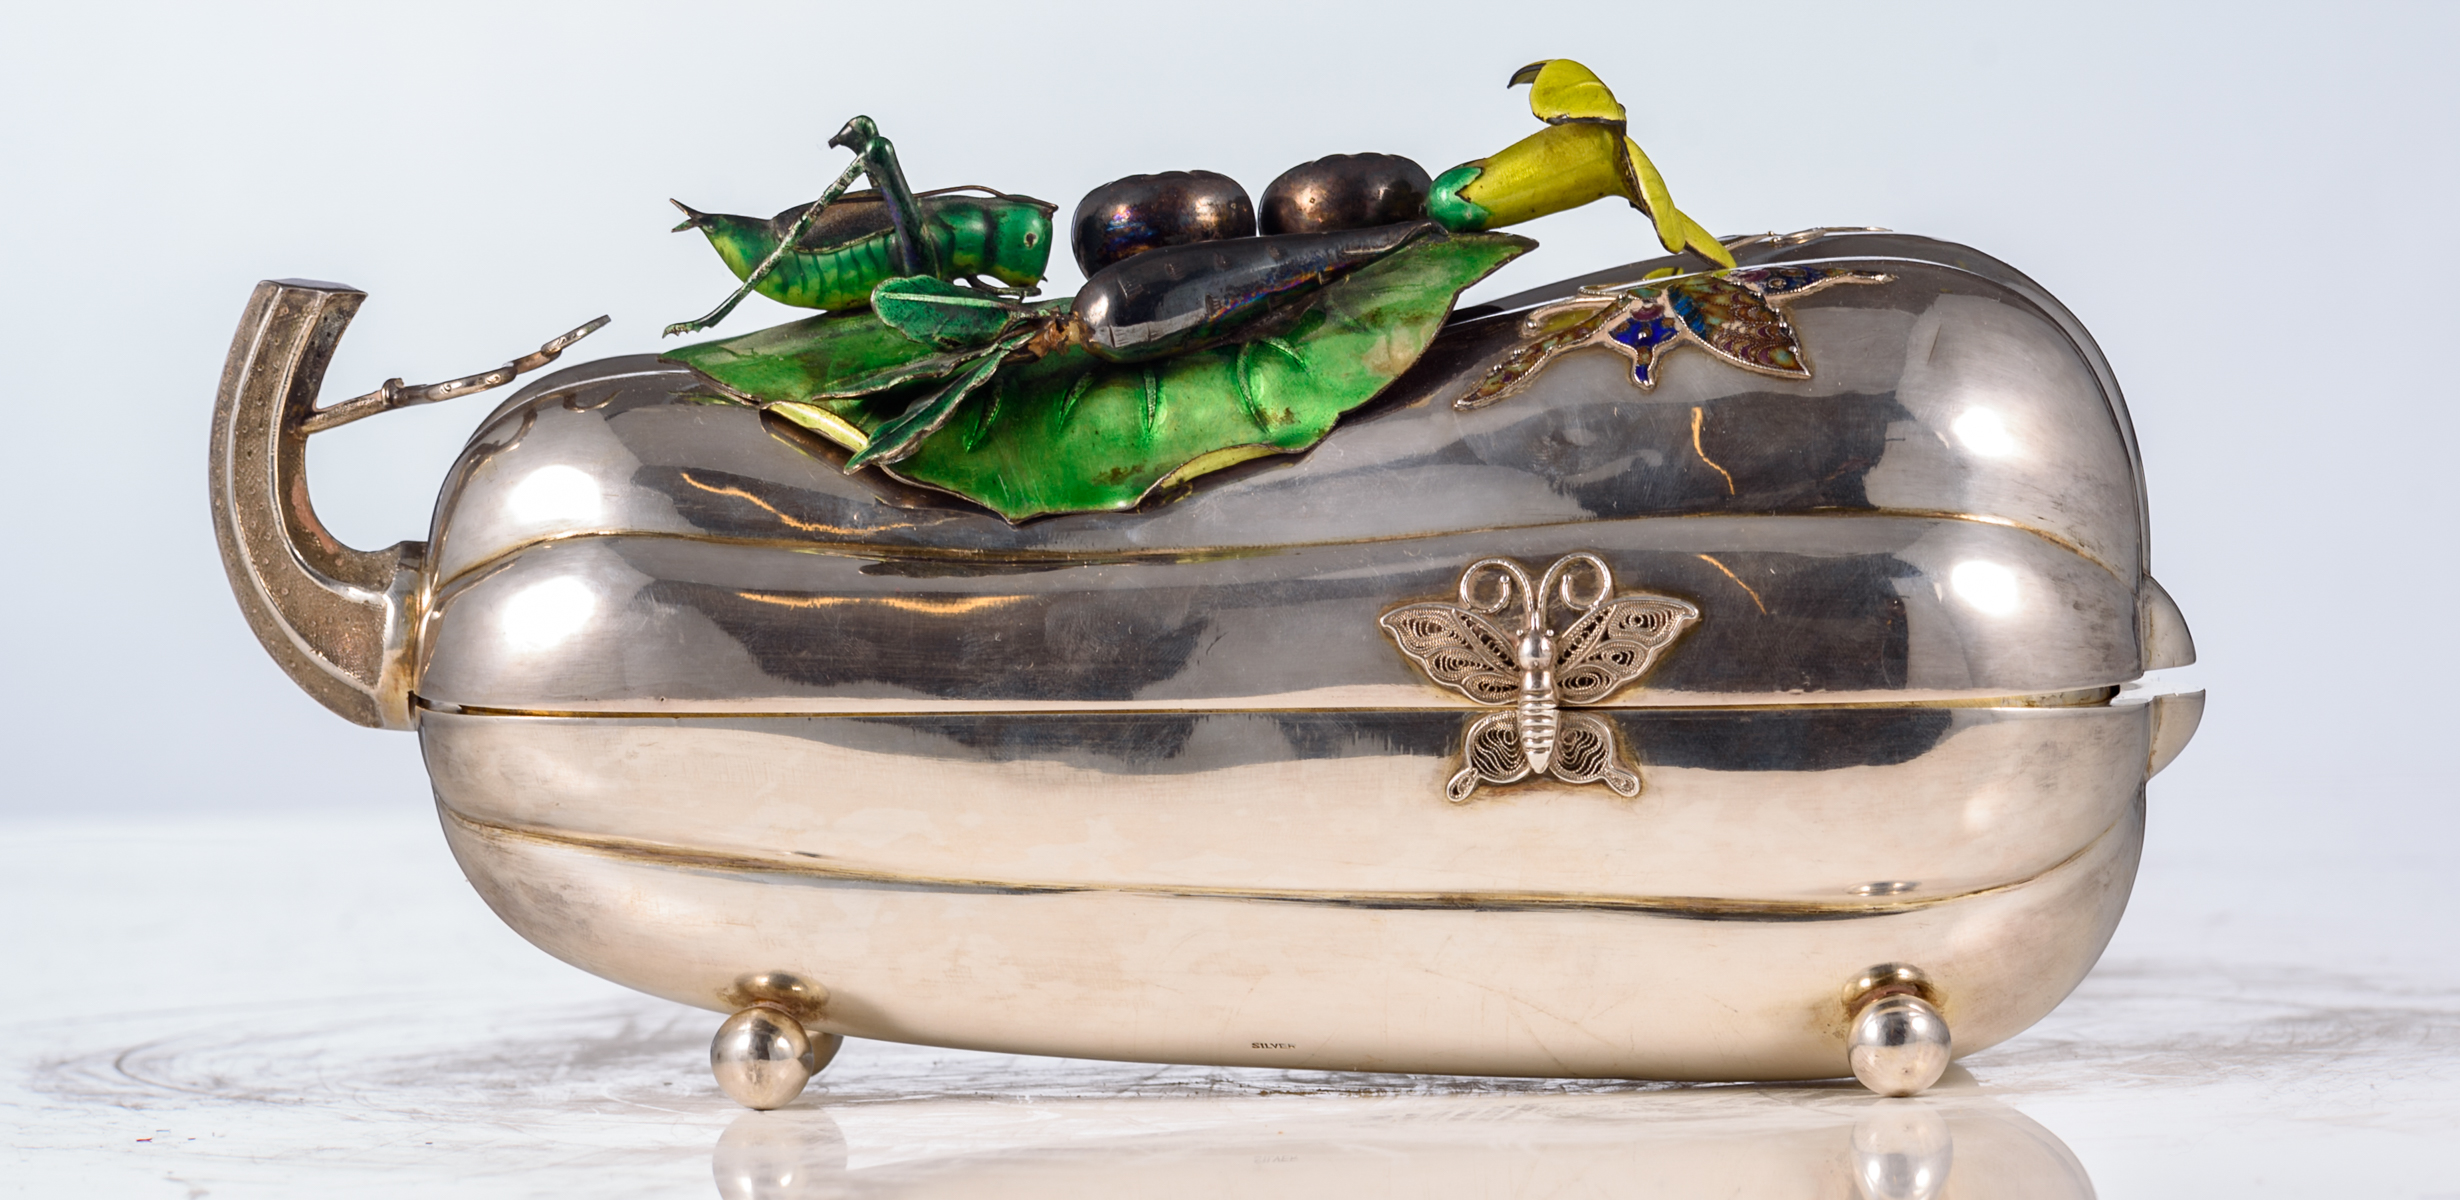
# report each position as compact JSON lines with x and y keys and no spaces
{"x":1609,"y":642}
{"x":2164,"y":636}
{"x":789,"y":993}
{"x":2175,"y":717}
{"x":711,"y":718}
{"x":339,"y":621}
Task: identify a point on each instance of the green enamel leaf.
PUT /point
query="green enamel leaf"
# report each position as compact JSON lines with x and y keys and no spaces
{"x":941,"y":313}
{"x":833,"y":357}
{"x":1070,"y":433}
{"x":815,"y":358}
{"x":897,"y":439}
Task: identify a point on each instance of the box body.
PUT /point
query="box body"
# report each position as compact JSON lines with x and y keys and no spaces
{"x":1157,"y":786}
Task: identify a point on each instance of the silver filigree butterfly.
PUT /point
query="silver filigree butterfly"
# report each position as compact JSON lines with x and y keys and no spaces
{"x":1610,"y":641}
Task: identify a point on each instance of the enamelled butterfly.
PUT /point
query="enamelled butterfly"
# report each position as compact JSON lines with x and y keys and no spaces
{"x":1610,"y":641}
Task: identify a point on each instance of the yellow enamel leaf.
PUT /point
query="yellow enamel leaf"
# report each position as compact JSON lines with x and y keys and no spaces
{"x":825,"y":423}
{"x":1676,"y":231}
{"x":1563,"y":90}
{"x":1655,"y":200}
{"x":1706,"y":244}
{"x":1556,"y":168}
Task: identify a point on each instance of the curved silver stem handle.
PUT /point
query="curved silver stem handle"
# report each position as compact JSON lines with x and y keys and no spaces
{"x":342,"y":622}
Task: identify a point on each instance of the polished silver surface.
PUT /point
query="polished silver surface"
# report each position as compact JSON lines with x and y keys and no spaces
{"x":1793,"y":609}
{"x":711,"y":718}
{"x":1824,"y":243}
{"x":762,"y":1058}
{"x":1444,"y":983}
{"x":1791,"y":806}
{"x":1899,"y":1046}
{"x":784,"y":991}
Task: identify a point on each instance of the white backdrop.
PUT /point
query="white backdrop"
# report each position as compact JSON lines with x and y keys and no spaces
{"x":2250,"y":205}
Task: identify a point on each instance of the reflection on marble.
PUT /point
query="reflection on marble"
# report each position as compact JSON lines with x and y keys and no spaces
{"x":608,"y":1093}
{"x":320,"y":1007}
{"x":1790,"y":1142}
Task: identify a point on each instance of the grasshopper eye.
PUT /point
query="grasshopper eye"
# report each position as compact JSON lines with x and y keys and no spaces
{"x":1032,"y":238}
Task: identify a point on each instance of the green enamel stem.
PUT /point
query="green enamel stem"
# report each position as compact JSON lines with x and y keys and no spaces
{"x":1447,"y":207}
{"x":802,"y":226}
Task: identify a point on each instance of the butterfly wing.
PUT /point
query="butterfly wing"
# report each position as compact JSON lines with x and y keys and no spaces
{"x":1646,"y":331}
{"x":1546,"y":334}
{"x":1584,"y":753}
{"x":1737,"y":324}
{"x":1792,"y":281}
{"x":1458,"y":649}
{"x":1490,"y":753}
{"x":1734,"y":314}
{"x":1617,"y":642}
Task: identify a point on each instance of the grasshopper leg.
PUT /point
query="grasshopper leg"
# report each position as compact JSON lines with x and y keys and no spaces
{"x":802,"y":226}
{"x":879,"y":161}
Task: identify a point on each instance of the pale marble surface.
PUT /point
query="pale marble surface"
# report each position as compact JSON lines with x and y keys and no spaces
{"x":318,"y":1005}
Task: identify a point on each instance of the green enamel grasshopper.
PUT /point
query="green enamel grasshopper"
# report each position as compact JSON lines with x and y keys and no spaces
{"x":835,"y":251}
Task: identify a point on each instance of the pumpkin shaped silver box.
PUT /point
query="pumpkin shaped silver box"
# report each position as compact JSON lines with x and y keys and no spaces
{"x":1563,"y":712}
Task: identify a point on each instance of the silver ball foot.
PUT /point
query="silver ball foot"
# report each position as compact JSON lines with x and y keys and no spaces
{"x":1899,"y":1045}
{"x":762,"y":1057}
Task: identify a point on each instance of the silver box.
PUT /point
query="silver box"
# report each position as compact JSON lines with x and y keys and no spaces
{"x":700,"y":708}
